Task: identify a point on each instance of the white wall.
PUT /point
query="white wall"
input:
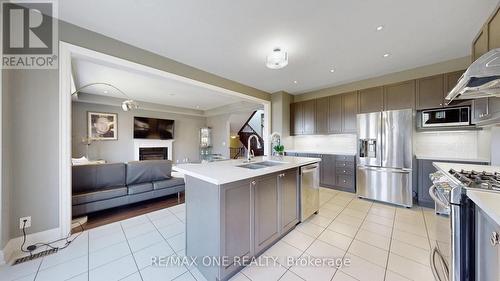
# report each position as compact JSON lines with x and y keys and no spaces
{"x":454,"y":144}
{"x":495,"y":146}
{"x":220,"y":133}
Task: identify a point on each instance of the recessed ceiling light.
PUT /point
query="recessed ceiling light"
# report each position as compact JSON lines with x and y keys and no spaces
{"x":332,"y":70}
{"x":105,"y":91}
{"x":386,"y":55}
{"x":380,"y":27}
{"x":277,"y":59}
{"x":295,"y":82}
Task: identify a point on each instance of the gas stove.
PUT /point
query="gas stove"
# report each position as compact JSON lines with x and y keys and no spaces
{"x":474,"y":179}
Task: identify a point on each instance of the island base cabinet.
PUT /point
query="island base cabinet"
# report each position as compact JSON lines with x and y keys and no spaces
{"x":289,"y":192}
{"x":236,"y":223}
{"x":266,"y":211}
{"x":239,"y":219}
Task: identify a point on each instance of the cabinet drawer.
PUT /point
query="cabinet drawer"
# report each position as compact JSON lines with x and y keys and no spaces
{"x":344,"y":171}
{"x":344,"y":164}
{"x":345,"y":181}
{"x":348,"y":158}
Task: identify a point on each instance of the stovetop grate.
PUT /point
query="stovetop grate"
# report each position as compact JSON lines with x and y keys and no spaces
{"x":475,"y":179}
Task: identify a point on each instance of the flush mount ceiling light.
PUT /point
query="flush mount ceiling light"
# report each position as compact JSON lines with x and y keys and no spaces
{"x":277,"y":59}
{"x":380,"y":27}
{"x":127,"y":105}
{"x":295,"y":82}
{"x":332,"y":70}
{"x":386,"y":55}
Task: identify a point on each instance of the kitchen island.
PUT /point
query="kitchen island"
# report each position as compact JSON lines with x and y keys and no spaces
{"x":236,"y":210}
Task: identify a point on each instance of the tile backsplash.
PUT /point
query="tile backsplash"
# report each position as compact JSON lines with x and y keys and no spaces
{"x":454,"y":144}
{"x":345,"y":143}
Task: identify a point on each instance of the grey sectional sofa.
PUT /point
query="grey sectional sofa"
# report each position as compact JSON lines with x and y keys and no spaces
{"x":104,"y":186}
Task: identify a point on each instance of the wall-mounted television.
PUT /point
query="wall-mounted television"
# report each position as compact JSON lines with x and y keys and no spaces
{"x":153,"y":128}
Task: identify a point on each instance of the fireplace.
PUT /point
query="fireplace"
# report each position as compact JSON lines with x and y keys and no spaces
{"x":165,"y":145}
{"x":153,"y":153}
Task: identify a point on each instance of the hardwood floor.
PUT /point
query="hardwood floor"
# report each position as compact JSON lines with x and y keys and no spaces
{"x":121,"y":213}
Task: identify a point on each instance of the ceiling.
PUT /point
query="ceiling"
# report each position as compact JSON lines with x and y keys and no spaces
{"x":145,"y":87}
{"x":232,"y":38}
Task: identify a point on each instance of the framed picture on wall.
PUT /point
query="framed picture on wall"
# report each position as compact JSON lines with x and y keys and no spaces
{"x":102,"y":126}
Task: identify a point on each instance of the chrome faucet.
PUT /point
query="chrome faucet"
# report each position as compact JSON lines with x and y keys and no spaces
{"x":250,"y":153}
{"x":272,"y":137}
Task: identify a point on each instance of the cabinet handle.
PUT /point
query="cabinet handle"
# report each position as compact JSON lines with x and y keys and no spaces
{"x":344,"y":171}
{"x":345,"y":181}
{"x":344,"y":164}
{"x":253,"y":183}
{"x":494,"y":239}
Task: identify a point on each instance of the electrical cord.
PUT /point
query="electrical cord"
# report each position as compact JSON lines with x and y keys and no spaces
{"x":49,"y":244}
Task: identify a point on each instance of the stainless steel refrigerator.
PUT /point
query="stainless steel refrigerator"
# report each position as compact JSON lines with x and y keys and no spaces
{"x":385,"y":154}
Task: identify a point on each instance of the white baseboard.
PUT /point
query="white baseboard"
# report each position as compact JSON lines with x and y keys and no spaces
{"x":13,"y":248}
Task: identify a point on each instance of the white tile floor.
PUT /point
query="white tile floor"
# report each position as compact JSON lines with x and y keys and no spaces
{"x":383,"y":242}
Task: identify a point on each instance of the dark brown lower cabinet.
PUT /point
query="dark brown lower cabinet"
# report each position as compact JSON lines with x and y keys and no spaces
{"x":335,"y":171}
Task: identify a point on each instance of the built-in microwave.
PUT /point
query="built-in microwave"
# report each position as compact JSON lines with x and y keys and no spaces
{"x":446,"y":117}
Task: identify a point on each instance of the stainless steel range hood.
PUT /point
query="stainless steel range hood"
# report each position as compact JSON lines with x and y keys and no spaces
{"x":482,"y":79}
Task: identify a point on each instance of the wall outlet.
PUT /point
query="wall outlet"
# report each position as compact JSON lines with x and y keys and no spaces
{"x":21,"y":222}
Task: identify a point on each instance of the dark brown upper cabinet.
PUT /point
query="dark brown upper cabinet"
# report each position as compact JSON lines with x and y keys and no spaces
{"x":296,"y":119}
{"x":430,"y":92}
{"x":322,"y":105}
{"x":399,"y":95}
{"x":480,"y":45}
{"x":302,"y":117}
{"x":335,"y":114}
{"x":451,"y":79}
{"x":371,"y":100}
{"x":349,"y":112}
{"x":309,"y":113}
{"x":494,"y":31}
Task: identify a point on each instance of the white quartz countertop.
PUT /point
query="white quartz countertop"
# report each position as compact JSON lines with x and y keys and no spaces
{"x":350,"y":153}
{"x":477,"y":160}
{"x":488,"y":201}
{"x":222,"y":172}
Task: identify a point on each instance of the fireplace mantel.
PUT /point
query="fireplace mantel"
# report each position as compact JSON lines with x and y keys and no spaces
{"x":138,"y":143}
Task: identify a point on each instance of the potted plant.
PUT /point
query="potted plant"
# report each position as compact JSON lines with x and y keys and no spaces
{"x":279,"y":149}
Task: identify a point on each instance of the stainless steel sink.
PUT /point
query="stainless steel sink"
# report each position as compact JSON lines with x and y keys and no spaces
{"x":270,"y":163}
{"x":260,"y":165}
{"x":253,"y":166}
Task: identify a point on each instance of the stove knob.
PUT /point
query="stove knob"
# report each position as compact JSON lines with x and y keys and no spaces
{"x":494,"y":239}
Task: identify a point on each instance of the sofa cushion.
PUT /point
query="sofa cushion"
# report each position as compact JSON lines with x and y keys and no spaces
{"x":98,"y":194}
{"x":148,"y":171}
{"x":87,"y":178}
{"x":140,"y":188}
{"x":168,"y":183}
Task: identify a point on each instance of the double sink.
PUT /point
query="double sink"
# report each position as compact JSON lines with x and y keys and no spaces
{"x":260,"y":165}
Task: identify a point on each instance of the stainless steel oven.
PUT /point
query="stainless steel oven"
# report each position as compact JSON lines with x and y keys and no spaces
{"x":445,"y":117}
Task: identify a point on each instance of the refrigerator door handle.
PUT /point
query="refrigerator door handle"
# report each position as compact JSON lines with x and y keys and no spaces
{"x":382,"y":169}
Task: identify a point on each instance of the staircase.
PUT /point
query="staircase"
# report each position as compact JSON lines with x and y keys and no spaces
{"x":249,"y":129}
